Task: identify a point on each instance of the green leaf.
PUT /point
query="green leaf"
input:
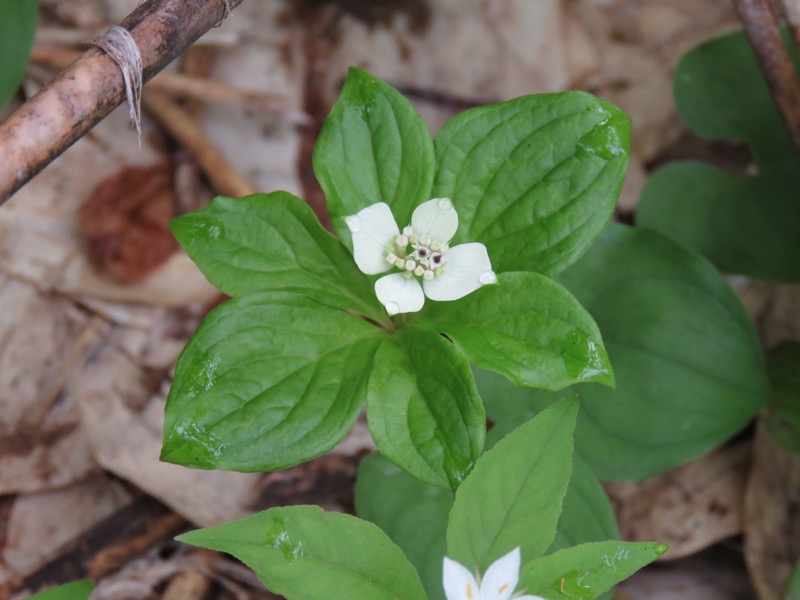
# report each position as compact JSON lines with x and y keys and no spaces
{"x":373,"y":147}
{"x":413,"y":514}
{"x":304,"y":553}
{"x":18,"y":21}
{"x":513,"y":496}
{"x":783,"y":364}
{"x":424,"y":412}
{"x":535,"y":179}
{"x":586,"y":571}
{"x":689,"y":367}
{"x":528,"y":328}
{"x":269,"y":380}
{"x":743,"y":224}
{"x":748,"y":225}
{"x":274,"y":242}
{"x":77,"y":590}
{"x":720,"y":92}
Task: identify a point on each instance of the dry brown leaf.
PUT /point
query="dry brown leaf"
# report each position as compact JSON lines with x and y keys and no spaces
{"x":690,"y":507}
{"x":126,"y":439}
{"x":39,"y":525}
{"x":772,"y":506}
{"x":43,"y":339}
{"x":125,"y":222}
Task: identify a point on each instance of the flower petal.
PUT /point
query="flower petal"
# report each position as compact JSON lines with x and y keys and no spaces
{"x":501,"y":577}
{"x":435,"y":218}
{"x":373,"y":229}
{"x":459,"y":584}
{"x":468,"y":268}
{"x":399,"y":294}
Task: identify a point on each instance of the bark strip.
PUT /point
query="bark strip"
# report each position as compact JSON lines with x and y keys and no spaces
{"x":81,"y":96}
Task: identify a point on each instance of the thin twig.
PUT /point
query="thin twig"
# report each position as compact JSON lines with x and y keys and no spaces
{"x":190,"y":87}
{"x":76,"y":100}
{"x":761,"y":26}
{"x":222,"y":174}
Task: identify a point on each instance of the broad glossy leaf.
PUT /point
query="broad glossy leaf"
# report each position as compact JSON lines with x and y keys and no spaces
{"x":77,"y":590}
{"x":513,"y":496}
{"x":743,"y":224}
{"x":586,"y":571}
{"x":424,"y":412}
{"x":373,"y":147}
{"x":688,"y":364}
{"x":587,"y":514}
{"x":18,"y":20}
{"x":304,"y":553}
{"x":268,"y":380}
{"x":534,"y":179}
{"x":783,"y":364}
{"x":528,"y":328}
{"x":274,"y":242}
{"x":413,"y":514}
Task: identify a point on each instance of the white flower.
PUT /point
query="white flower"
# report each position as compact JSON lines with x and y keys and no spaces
{"x":498,"y":583}
{"x":421,"y":251}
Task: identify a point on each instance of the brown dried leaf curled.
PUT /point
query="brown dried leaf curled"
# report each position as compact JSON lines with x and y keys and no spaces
{"x":125,"y":222}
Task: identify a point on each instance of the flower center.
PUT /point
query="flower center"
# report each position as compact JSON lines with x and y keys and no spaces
{"x":417,"y":255}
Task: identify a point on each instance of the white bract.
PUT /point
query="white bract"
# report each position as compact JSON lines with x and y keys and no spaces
{"x":420,"y":252}
{"x":498,"y":583}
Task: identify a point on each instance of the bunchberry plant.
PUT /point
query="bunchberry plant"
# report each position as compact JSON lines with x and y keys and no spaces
{"x":476,"y":221}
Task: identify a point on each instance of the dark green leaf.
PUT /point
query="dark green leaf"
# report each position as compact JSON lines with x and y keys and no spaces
{"x":274,"y":242}
{"x":747,"y":225}
{"x":424,"y":412}
{"x":688,"y":364}
{"x":743,"y":224}
{"x":269,"y":380}
{"x":18,"y":20}
{"x":304,"y":553}
{"x":77,"y":590}
{"x":534,"y":179}
{"x":373,"y":147}
{"x":783,"y":364}
{"x":586,"y":571}
{"x":513,"y":496}
{"x":413,"y":514}
{"x":720,"y":93}
{"x":529,"y":328}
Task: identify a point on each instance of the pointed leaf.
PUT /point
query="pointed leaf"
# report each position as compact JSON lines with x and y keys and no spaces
{"x":513,"y":496}
{"x":423,"y":410}
{"x":689,"y":367}
{"x":586,"y":571}
{"x":304,"y":553}
{"x":373,"y":147}
{"x":535,"y":179}
{"x":269,"y":380}
{"x":528,"y":328}
{"x":274,"y":242}
{"x":412,"y":513}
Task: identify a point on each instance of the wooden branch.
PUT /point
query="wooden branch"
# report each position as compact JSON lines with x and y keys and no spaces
{"x":188,"y":86}
{"x":76,"y":100}
{"x":761,"y":25}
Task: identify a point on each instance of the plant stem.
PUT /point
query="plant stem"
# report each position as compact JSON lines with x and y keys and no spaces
{"x":761,"y":25}
{"x":77,"y":99}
